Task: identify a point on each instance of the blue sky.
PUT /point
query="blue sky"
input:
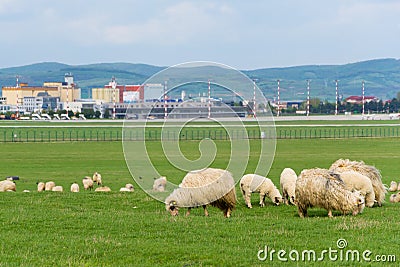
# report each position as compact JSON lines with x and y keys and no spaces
{"x":241,"y":34}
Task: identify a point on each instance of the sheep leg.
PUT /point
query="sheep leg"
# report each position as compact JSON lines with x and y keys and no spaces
{"x":188,"y":212}
{"x":262,"y":198}
{"x":205,"y":210}
{"x":227,"y":213}
{"x":302,"y":212}
{"x":285,"y":198}
{"x":247,"y":199}
{"x":330,"y":214}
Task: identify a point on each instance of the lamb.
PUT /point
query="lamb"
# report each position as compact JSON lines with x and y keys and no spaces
{"x":87,"y":183}
{"x":253,"y":183}
{"x":393,"y":186}
{"x":127,"y":188}
{"x":103,"y":189}
{"x":395,"y":197}
{"x":40,"y":186}
{"x":160,"y":184}
{"x":7,"y":185}
{"x":49,"y":186}
{"x":202,"y":187}
{"x":288,"y":184}
{"x":74,"y":188}
{"x":371,"y":172}
{"x":322,"y":188}
{"x":97,"y":178}
{"x":356,"y":181}
{"x":57,"y":188}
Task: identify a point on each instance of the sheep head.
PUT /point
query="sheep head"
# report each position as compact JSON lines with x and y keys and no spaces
{"x":172,"y":208}
{"x":359,"y":202}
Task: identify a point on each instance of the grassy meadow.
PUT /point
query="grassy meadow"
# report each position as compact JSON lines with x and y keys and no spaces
{"x":132,"y":229}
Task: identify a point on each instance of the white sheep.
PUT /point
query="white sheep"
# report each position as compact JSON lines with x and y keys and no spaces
{"x":87,"y":183}
{"x":288,"y":185}
{"x":97,"y":178}
{"x":395,"y":197}
{"x":253,"y":183}
{"x":398,"y":188}
{"x":74,"y":188}
{"x":127,"y":188}
{"x":103,"y":189}
{"x":325,"y":189}
{"x":160,"y":184}
{"x":371,"y":172}
{"x":57,"y":188}
{"x":7,"y":185}
{"x":202,"y":187}
{"x":393,"y":186}
{"x":40,"y":186}
{"x":356,"y":181}
{"x":49,"y":186}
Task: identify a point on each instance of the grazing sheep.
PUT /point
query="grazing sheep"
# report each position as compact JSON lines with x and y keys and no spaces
{"x":40,"y":186}
{"x":97,"y":178}
{"x":74,"y":188}
{"x":395,"y":197}
{"x":371,"y":172}
{"x":7,"y":185}
{"x":356,"y":181}
{"x":160,"y":184}
{"x":324,"y":189}
{"x":87,"y":183}
{"x":57,"y":188}
{"x":127,"y":188}
{"x":393,"y":186}
{"x":103,"y":189}
{"x":253,"y":183}
{"x":288,"y":185}
{"x":202,"y":187}
{"x":49,"y":186}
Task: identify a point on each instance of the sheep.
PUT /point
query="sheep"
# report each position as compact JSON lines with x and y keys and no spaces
{"x":127,"y":188}
{"x":371,"y":172}
{"x":395,"y":197}
{"x":97,"y":178}
{"x":40,"y":186}
{"x":74,"y":188}
{"x":160,"y":184}
{"x":202,"y":187}
{"x":103,"y":189}
{"x":393,"y":186}
{"x":57,"y":188}
{"x":253,"y":183}
{"x":322,"y":188}
{"x":49,"y":186}
{"x":398,"y":188}
{"x":7,"y":185}
{"x":288,"y":184}
{"x":356,"y":181}
{"x":87,"y":183}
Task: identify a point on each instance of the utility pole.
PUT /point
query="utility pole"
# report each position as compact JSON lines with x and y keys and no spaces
{"x":279,"y":102}
{"x":336,"y":102}
{"x":308,"y":97}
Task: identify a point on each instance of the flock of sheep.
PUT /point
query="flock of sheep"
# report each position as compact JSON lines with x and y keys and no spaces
{"x":87,"y":182}
{"x":347,"y":186}
{"x":393,"y":188}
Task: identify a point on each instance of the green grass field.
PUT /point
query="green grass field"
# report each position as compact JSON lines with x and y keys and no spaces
{"x":132,"y":229}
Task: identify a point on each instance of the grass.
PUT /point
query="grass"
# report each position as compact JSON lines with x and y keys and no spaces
{"x":132,"y":229}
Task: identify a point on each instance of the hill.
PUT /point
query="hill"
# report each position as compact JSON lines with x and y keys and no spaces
{"x":381,"y":76}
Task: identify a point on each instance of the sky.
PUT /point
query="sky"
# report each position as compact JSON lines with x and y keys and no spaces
{"x":242,"y":34}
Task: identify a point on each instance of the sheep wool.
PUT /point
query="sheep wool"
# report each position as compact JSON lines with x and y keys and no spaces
{"x":160,"y":184}
{"x":393,"y":186}
{"x":127,"y":188}
{"x":253,"y":183}
{"x":324,"y":189}
{"x":57,"y":188}
{"x":394,"y":198}
{"x":87,"y":183}
{"x":40,"y":186}
{"x":371,"y":172}
{"x":7,"y":185}
{"x":356,"y":181}
{"x":103,"y":189}
{"x":97,"y":178}
{"x":202,"y":187}
{"x":49,"y":185}
{"x":288,"y":185}
{"x":74,"y":188}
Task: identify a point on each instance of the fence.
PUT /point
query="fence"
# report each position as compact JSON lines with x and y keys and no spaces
{"x":155,"y":134}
